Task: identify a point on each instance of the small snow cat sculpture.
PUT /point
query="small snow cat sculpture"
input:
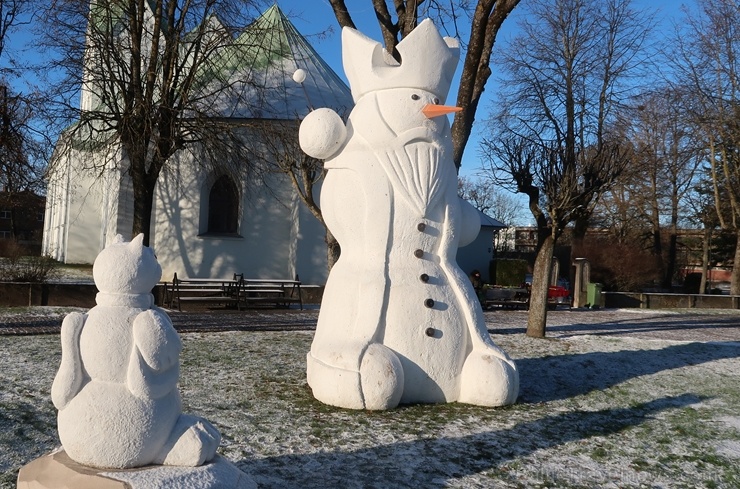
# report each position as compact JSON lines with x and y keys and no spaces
{"x":116,"y":388}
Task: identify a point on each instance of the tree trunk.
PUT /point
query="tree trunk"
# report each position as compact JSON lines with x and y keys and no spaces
{"x":704,"y":260}
{"x":580,"y":227}
{"x":735,"y":278}
{"x":332,"y":249}
{"x":13,"y":222}
{"x":486,"y":22}
{"x":670,"y":263}
{"x":143,"y":205}
{"x":657,"y":249}
{"x":537,"y":318}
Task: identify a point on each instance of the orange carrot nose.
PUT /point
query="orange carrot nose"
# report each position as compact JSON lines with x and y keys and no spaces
{"x":433,"y":110}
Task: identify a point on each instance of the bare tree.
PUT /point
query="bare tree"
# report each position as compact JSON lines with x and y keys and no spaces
{"x":280,"y":153}
{"x":483,"y":21}
{"x":666,"y":158}
{"x":154,"y":77}
{"x":476,"y":192}
{"x":616,"y":214}
{"x":15,"y":173}
{"x":555,"y":193}
{"x":21,"y":159}
{"x":703,"y":213}
{"x":564,"y":76}
{"x":21,"y":150}
{"x":708,"y":59}
{"x":484,"y":197}
{"x":10,"y":13}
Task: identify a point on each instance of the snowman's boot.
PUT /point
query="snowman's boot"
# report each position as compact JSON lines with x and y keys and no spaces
{"x":489,"y":378}
{"x":378,"y":384}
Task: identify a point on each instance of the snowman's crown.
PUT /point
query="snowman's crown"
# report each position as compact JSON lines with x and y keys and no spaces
{"x":428,"y":62}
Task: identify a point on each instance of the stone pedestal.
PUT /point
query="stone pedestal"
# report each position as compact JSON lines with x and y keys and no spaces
{"x":58,"y":471}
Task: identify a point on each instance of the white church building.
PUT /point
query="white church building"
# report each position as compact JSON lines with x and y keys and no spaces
{"x":205,"y":224}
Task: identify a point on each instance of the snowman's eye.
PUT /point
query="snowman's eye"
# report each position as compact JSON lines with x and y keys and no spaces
{"x":415,"y":97}
{"x":436,"y":101}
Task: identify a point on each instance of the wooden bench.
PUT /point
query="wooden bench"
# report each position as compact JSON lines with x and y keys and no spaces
{"x":237,"y":291}
{"x":269,"y":291}
{"x":205,"y":290}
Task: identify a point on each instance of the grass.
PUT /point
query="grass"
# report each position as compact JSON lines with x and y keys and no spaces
{"x":593,"y":412}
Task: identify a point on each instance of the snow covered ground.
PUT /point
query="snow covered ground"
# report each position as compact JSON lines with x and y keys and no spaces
{"x":598,"y":408}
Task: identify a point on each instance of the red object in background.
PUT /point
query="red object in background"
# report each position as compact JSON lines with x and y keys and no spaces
{"x":558,"y":295}
{"x":556,"y":291}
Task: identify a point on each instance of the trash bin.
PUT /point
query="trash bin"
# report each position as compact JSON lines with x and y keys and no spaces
{"x":593,"y":295}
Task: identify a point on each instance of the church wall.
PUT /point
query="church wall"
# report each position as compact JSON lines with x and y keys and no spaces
{"x":120,"y":215}
{"x":262,"y":249}
{"x":90,"y":202}
{"x":311,"y":246}
{"x":75,"y":209}
{"x":55,"y":212}
{"x":279,"y":237}
{"x":85,"y":221}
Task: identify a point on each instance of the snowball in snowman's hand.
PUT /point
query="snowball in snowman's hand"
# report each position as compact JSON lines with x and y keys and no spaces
{"x":322,"y":134}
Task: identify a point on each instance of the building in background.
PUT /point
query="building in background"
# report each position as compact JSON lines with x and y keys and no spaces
{"x":478,"y":254}
{"x":22,"y":219}
{"x":204,"y":223}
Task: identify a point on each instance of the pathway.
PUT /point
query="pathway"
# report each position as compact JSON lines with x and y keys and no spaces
{"x":685,"y":325}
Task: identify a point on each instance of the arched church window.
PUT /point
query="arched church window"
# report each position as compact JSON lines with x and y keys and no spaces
{"x":223,"y":207}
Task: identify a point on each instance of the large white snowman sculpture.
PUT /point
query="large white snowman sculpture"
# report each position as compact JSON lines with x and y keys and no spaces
{"x":116,"y":388}
{"x":399,"y":320}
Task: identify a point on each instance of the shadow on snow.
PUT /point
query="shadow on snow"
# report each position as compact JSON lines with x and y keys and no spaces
{"x":564,"y":376}
{"x":432,"y":462}
{"x":639,"y":324}
{"x":652,"y":324}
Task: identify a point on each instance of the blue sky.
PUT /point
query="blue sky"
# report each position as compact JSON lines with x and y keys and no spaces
{"x":315,"y":17}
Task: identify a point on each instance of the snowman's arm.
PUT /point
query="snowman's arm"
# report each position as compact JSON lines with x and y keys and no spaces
{"x":322,"y":134}
{"x":470,"y":223}
{"x":154,"y":366}
{"x":70,"y":377}
{"x":374,"y":278}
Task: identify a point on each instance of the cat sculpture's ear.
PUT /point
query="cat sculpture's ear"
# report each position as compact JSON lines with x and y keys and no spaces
{"x":138,"y":241}
{"x":118,"y":239}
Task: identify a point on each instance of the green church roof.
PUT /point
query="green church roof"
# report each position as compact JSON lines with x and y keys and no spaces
{"x":259,"y":67}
